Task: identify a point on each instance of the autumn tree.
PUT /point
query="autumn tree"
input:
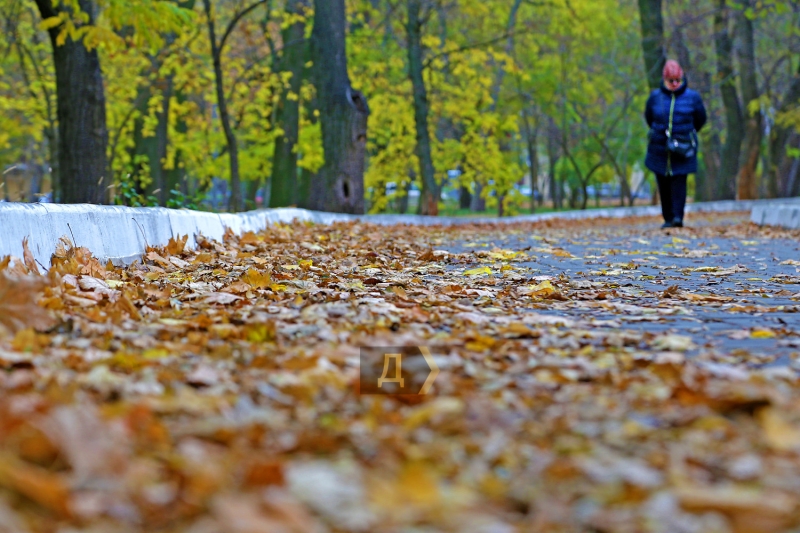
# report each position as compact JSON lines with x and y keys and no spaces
{"x":746,"y":179}
{"x":734,"y":118}
{"x":236,"y":202}
{"x":783,"y":169}
{"x":291,"y":61}
{"x":339,"y":184}
{"x":652,"y":23}
{"x":429,"y":204}
{"x":29,"y":123}
{"x":81,"y":104}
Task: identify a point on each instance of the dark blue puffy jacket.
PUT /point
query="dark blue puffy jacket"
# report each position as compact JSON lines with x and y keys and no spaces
{"x":689,"y":116}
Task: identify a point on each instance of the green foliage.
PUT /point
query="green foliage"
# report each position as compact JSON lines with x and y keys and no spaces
{"x":128,"y":195}
{"x":570,"y":70}
{"x":179,"y":200}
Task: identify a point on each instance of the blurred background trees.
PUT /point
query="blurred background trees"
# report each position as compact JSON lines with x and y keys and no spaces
{"x":429,"y":106}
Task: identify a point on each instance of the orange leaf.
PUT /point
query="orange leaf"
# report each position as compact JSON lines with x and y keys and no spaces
{"x":18,"y":307}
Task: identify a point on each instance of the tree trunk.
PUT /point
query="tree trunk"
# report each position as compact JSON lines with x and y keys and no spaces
{"x":81,"y":109}
{"x":162,"y":139}
{"x":531,"y":139}
{"x":176,"y":176}
{"x":747,"y":181}
{"x":339,"y":185}
{"x":287,"y":116}
{"x":552,"y":159}
{"x":478,"y":202}
{"x":235,"y":201}
{"x":706,"y":175}
{"x":153,"y":147}
{"x":428,"y":201}
{"x":729,"y":165}
{"x":652,"y":22}
{"x":498,"y":79}
{"x":779,"y":141}
{"x":143,"y":147}
{"x":464,"y":197}
{"x":251,"y":188}
{"x":51,"y":134}
{"x":792,"y":186}
{"x":402,"y":201}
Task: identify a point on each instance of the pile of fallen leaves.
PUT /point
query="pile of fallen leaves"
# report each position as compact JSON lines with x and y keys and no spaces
{"x":216,"y":390}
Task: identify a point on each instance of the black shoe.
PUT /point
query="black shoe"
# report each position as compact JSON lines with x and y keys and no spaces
{"x":667,"y":225}
{"x":677,"y":223}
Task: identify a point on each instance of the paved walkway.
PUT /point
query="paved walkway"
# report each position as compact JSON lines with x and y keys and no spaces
{"x":738,"y":296}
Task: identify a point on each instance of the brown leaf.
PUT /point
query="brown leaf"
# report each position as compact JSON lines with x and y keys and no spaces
{"x":27,"y":256}
{"x":778,"y":432}
{"x":18,"y":307}
{"x":177,"y":246}
{"x":256,"y":278}
{"x":222,"y":298}
{"x":750,"y":511}
{"x":46,"y":489}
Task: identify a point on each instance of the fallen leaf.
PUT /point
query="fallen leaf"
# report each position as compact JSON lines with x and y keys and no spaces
{"x":778,"y":432}
{"x":27,"y":257}
{"x":478,"y":271}
{"x":18,"y":307}
{"x":256,"y":278}
{"x":222,"y":298}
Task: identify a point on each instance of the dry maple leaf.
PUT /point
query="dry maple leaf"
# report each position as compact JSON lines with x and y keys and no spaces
{"x":177,"y":246}
{"x":27,"y":256}
{"x":18,"y":307}
{"x":256,"y":279}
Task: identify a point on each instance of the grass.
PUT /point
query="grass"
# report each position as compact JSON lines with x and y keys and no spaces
{"x":452,"y":209}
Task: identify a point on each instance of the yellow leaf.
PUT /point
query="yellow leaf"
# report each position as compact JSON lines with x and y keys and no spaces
{"x":260,"y":332}
{"x":50,"y":23}
{"x":400,"y":291}
{"x":478,"y":271}
{"x":762,"y":334}
{"x":256,"y":278}
{"x":504,"y":254}
{"x":779,"y":433}
{"x":544,"y":288}
{"x":155,"y":353}
{"x":418,"y":484}
{"x":62,"y":37}
{"x":437,"y":408}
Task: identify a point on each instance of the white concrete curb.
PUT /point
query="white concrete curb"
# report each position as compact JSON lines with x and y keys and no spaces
{"x":119,"y":233}
{"x":785,"y":214}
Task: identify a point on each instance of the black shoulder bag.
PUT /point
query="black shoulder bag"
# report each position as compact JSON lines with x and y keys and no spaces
{"x":680,"y":145}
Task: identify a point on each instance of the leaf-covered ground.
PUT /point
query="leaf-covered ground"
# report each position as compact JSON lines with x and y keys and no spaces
{"x":596,"y":376}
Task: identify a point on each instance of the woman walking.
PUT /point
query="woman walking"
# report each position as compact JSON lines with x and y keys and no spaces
{"x":675,"y":114}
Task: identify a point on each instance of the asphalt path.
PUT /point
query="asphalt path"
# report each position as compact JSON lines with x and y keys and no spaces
{"x":746,"y":290}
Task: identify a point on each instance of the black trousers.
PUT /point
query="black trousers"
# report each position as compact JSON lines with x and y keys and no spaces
{"x":672,"y":190}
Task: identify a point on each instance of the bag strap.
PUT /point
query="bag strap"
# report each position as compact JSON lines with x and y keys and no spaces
{"x":671,"y":111}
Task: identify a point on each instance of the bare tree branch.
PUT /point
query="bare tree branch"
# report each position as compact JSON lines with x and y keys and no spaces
{"x":235,"y":20}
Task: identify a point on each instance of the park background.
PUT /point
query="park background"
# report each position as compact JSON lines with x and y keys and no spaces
{"x":437,"y":106}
